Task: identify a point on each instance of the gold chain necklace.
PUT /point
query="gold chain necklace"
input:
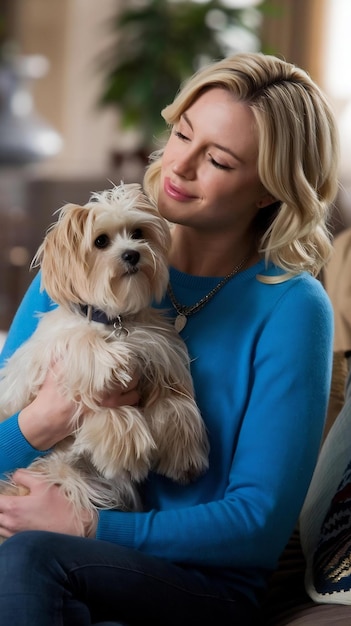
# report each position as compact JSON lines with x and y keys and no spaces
{"x":183,"y":311}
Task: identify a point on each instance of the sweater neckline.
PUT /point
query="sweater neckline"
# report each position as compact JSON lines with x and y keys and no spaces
{"x":208,"y":282}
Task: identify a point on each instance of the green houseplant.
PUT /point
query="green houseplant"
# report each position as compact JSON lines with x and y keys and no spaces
{"x":157,"y":45}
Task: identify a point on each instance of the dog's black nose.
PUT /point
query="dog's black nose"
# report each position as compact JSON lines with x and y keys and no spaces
{"x":131,"y":257}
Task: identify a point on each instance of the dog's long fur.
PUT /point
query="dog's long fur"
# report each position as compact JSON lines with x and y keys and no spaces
{"x":110,"y":255}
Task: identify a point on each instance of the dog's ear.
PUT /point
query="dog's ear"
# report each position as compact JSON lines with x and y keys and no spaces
{"x":60,"y":256}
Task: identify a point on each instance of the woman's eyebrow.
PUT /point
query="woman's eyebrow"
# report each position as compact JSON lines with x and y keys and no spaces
{"x":185,"y":116}
{"x":228,"y":151}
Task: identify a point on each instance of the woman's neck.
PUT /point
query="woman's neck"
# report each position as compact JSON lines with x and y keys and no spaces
{"x":201,"y":255}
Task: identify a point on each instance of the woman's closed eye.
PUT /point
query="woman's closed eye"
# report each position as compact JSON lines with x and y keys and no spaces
{"x":214,"y":162}
{"x":219,"y":166}
{"x":180,"y":135}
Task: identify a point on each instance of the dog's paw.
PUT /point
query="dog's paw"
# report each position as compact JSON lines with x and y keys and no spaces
{"x":182,"y":444}
{"x":116,"y":441}
{"x":184,"y":464}
{"x":190,"y":474}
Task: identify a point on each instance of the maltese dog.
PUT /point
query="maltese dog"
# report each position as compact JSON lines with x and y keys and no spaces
{"x":104,"y":264}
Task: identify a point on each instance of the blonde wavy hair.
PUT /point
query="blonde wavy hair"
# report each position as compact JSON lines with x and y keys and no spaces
{"x":297,"y":157}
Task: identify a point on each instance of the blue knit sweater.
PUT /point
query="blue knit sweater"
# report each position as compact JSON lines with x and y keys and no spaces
{"x":261,"y":363}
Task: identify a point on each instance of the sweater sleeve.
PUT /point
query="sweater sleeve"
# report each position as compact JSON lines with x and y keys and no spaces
{"x":26,"y":319}
{"x":276,"y":450}
{"x":15,"y":450}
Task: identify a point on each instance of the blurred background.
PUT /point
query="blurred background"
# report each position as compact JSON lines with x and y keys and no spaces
{"x":82,"y":84}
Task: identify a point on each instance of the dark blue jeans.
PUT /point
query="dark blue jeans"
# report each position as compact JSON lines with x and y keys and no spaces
{"x":49,"y":579}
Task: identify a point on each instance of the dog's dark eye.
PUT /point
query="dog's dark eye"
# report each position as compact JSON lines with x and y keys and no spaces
{"x":137,"y":234}
{"x":102,"y":241}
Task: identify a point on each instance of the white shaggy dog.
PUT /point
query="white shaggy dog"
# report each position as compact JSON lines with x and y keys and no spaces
{"x":103,"y":264}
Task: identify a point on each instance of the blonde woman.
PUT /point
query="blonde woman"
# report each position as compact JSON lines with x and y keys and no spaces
{"x":246,"y":179}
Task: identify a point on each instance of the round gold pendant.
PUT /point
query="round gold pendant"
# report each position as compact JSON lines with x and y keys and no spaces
{"x":180,"y":322}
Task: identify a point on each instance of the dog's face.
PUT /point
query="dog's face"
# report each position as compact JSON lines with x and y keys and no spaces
{"x":110,"y":253}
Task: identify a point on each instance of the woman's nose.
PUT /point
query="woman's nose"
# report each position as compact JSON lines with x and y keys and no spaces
{"x":185,"y":165}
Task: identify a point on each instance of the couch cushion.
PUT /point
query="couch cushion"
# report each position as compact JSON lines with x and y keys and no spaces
{"x":324,"y":516}
{"x":311,"y":614}
{"x":329,"y":577}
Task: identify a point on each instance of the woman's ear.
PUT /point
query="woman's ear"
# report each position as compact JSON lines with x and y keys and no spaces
{"x":265,"y":200}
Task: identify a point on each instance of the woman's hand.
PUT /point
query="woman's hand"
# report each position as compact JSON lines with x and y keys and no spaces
{"x":44,"y":508}
{"x":48,"y":419}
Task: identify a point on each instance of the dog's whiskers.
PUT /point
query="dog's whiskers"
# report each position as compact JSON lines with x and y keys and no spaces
{"x":132,"y":270}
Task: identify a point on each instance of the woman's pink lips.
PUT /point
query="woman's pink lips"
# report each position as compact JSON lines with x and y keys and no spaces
{"x":173,"y":191}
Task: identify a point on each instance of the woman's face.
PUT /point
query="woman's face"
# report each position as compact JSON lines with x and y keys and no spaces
{"x":209,"y":176}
